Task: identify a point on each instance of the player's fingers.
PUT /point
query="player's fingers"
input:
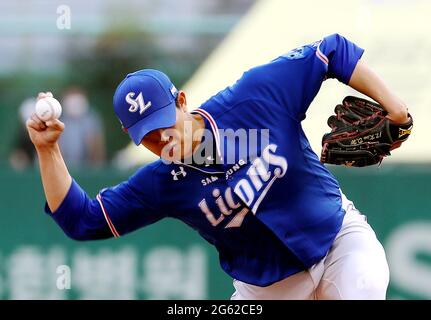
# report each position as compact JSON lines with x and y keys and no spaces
{"x":36,"y":119}
{"x":38,"y":122}
{"x":49,"y":94}
{"x":55,"y":124}
{"x":31,"y":124}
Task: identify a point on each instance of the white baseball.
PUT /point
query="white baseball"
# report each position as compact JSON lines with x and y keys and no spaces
{"x":48,"y":108}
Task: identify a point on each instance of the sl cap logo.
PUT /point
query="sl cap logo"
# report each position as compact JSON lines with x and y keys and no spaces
{"x":175,"y":174}
{"x":137,"y":103}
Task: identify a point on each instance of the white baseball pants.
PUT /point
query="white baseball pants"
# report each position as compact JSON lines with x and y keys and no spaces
{"x":354,"y":268}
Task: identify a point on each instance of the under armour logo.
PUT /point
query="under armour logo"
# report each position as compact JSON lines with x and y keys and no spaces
{"x":176,"y":174}
{"x":137,"y":103}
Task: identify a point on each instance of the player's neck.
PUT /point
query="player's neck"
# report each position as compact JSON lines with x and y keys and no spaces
{"x":198,"y":126}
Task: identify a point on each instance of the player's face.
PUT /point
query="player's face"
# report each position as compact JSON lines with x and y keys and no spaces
{"x":153,"y":141}
{"x":165,"y":142}
{"x":174,"y":143}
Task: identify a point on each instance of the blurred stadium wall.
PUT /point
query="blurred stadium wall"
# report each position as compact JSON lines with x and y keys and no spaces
{"x":168,"y":260}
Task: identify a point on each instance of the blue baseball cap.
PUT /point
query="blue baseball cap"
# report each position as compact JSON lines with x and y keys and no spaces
{"x":145,"y":101}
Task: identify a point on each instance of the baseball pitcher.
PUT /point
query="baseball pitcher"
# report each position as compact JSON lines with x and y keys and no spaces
{"x":240,"y":171}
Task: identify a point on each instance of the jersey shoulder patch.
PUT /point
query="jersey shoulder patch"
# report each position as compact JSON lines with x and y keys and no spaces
{"x":302,"y":52}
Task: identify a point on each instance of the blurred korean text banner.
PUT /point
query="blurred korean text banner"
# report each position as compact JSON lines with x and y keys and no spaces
{"x":168,"y":260}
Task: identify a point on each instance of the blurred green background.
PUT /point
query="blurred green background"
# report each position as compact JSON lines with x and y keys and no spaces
{"x":168,"y":260}
{"x":105,"y":41}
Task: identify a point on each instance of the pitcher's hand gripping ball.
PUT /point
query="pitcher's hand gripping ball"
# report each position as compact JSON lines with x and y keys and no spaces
{"x":48,"y":108}
{"x":361,"y":134}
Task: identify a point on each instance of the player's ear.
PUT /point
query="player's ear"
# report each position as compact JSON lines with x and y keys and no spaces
{"x":182,"y":101}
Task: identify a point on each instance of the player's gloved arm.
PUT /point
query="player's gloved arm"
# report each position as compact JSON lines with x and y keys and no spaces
{"x":366,"y":81}
{"x":346,"y":65}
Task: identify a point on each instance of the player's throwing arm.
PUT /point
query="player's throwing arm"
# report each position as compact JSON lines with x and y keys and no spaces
{"x":56,"y":179}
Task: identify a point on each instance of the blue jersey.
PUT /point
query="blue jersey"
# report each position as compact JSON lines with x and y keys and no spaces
{"x":272,"y":210}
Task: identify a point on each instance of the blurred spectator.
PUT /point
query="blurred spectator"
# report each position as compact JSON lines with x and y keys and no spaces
{"x":82,"y":142}
{"x":23,"y":154}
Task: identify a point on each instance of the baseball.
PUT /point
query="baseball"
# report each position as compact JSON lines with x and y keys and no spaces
{"x":48,"y":108}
